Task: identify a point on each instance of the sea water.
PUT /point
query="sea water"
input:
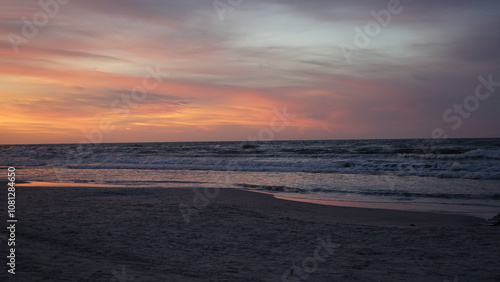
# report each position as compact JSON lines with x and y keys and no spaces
{"x":452,"y":175}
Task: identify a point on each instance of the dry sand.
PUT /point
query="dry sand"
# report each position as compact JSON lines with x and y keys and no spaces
{"x":140,"y":234}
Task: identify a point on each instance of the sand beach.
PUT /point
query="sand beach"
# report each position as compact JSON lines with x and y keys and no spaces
{"x":158,"y":234}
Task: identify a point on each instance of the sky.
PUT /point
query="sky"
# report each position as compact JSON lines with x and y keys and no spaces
{"x":233,"y":70}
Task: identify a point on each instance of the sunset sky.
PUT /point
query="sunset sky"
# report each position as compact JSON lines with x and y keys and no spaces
{"x":221,"y":70}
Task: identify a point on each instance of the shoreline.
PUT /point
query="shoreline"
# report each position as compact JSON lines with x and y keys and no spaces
{"x":475,"y":211}
{"x":393,"y":206}
{"x":265,"y":202}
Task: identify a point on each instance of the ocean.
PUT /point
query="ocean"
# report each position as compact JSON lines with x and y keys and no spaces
{"x":460,"y":176}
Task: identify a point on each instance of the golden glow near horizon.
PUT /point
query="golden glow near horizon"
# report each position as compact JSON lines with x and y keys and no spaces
{"x":178,"y":71}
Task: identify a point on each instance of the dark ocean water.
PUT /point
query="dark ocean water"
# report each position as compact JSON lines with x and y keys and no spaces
{"x":455,"y":175}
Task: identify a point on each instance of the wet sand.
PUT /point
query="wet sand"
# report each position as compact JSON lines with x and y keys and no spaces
{"x":153,"y":234}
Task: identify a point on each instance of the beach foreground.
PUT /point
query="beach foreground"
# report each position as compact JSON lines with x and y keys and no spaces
{"x":153,"y":234}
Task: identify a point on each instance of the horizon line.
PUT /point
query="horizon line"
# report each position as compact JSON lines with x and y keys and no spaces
{"x":248,"y":141}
